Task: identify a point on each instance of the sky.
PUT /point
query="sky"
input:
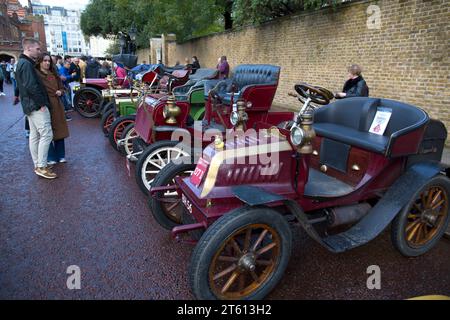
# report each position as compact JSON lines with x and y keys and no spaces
{"x":68,"y":4}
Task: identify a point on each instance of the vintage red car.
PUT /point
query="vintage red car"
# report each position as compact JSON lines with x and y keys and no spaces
{"x":343,"y":173}
{"x":254,"y":84}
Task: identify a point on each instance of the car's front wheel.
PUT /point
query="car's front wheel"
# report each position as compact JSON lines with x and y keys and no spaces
{"x":242,"y":255}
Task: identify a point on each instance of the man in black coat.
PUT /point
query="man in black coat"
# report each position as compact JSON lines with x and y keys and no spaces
{"x":355,"y":86}
{"x":35,"y":105}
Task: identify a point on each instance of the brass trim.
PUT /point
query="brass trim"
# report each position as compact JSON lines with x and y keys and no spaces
{"x":323,"y":168}
{"x":224,"y":155}
{"x":356,"y":167}
{"x":315,"y":153}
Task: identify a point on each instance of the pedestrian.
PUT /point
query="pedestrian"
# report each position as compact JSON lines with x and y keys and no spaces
{"x":121,"y":75}
{"x":105,"y":70}
{"x":195,"y":64}
{"x":2,"y":78}
{"x":67,"y":78}
{"x":75,"y":71}
{"x":93,"y":69}
{"x":12,"y":71}
{"x":55,"y":90}
{"x":35,"y":105}
{"x":223,"y":68}
{"x":8,"y":72}
{"x":355,"y":86}
{"x":83,"y":64}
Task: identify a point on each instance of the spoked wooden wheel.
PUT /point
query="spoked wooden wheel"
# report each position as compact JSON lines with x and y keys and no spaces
{"x":420,"y":225}
{"x":107,"y":120}
{"x":88,"y":102}
{"x":427,"y":216}
{"x":153,"y":159}
{"x":118,"y":127}
{"x":242,"y":255}
{"x":129,"y":133}
{"x":166,"y":207}
{"x":244,"y":262}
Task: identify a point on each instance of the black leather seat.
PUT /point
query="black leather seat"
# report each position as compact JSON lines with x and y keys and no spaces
{"x":349,"y":121}
{"x":244,"y":76}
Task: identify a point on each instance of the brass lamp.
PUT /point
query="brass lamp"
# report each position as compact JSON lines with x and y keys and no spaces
{"x":309,"y":134}
{"x":171,"y":110}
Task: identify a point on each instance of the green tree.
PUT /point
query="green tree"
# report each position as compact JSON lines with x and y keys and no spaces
{"x":257,"y":11}
{"x":183,"y":17}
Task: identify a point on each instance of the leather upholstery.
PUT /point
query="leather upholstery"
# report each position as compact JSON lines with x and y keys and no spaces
{"x":244,"y":75}
{"x":349,"y":121}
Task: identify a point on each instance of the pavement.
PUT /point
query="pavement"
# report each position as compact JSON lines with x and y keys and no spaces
{"x":94,"y":216}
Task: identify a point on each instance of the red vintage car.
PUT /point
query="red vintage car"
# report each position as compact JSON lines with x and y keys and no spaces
{"x":343,"y":173}
{"x":254,"y":84}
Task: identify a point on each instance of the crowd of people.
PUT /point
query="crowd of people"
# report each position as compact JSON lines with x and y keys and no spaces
{"x":44,"y":83}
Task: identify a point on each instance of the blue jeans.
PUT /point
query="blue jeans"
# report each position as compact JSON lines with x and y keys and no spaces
{"x":57,"y":150}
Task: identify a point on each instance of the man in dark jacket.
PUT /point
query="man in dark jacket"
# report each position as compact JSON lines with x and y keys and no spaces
{"x":35,"y":105}
{"x":355,"y":86}
{"x":92,"y":68}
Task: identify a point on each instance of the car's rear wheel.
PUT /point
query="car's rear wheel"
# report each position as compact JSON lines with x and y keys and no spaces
{"x":166,"y":207}
{"x":421,"y":223}
{"x":117,"y":128}
{"x":88,"y":102}
{"x":243,"y":255}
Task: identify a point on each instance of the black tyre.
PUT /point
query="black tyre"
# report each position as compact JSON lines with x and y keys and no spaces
{"x":243,"y":255}
{"x":423,"y":221}
{"x":167,"y":208}
{"x":106,"y":121}
{"x":106,"y":106}
{"x":128,"y":134}
{"x":154,"y":158}
{"x":88,"y":102}
{"x":117,"y":128}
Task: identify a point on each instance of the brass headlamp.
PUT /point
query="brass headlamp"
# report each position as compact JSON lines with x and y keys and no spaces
{"x":171,"y":110}
{"x":239,"y":117}
{"x":303,"y":135}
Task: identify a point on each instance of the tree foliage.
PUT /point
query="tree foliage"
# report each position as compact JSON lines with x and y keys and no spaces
{"x":185,"y":18}
{"x":257,"y":11}
{"x":182,"y":17}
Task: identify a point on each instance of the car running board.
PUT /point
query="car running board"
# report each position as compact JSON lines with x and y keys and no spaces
{"x":379,"y":217}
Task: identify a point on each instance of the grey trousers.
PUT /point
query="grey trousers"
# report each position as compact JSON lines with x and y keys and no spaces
{"x":41,"y":135}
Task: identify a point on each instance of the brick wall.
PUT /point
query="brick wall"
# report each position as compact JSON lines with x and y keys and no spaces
{"x":406,"y":59}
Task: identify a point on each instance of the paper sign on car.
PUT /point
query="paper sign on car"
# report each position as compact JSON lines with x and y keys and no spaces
{"x":380,"y":121}
{"x":199,"y":172}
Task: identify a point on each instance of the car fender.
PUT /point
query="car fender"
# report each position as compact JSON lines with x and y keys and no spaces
{"x":380,"y":216}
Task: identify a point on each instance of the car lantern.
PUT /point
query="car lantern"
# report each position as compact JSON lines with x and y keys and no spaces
{"x":171,"y":110}
{"x":303,"y":134}
{"x":239,"y":117}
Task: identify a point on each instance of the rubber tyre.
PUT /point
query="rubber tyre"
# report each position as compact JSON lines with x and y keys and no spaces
{"x":143,"y":157}
{"x":224,"y":227}
{"x":106,"y":106}
{"x":92,"y":93}
{"x":122,"y":149}
{"x":108,"y":116}
{"x":164,"y":178}
{"x":398,"y":225}
{"x":112,"y":135}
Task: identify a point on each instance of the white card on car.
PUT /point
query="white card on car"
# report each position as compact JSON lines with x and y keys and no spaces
{"x":380,"y":121}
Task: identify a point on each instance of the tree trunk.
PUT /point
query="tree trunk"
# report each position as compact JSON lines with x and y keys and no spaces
{"x":227,"y":15}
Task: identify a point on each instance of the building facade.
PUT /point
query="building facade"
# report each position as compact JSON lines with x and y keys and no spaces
{"x":17,"y":23}
{"x":62,"y":30}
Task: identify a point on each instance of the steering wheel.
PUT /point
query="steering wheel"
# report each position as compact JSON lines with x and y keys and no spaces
{"x":317,"y":94}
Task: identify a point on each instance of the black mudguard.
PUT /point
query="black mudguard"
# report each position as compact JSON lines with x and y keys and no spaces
{"x":380,"y":216}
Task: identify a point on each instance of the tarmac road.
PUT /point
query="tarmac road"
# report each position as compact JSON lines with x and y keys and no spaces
{"x":95,"y":217}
